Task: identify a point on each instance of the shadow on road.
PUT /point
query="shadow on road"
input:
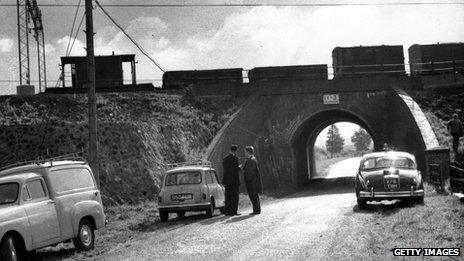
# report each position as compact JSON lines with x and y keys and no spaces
{"x":53,"y":253}
{"x":385,"y":208}
{"x":239,"y":218}
{"x":318,"y":187}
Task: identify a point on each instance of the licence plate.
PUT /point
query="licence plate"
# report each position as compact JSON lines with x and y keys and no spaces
{"x":181,"y":197}
{"x":392,"y":183}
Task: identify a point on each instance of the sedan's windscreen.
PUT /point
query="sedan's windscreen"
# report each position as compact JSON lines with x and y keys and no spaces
{"x":388,"y":162}
{"x":183,"y":178}
{"x":8,"y":193}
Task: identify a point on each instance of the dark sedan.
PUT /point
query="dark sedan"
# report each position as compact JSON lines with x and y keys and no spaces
{"x":388,"y":175}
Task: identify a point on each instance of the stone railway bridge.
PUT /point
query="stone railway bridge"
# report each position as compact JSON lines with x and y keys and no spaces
{"x":282,"y":118}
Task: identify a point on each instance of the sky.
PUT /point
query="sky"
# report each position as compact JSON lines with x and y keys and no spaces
{"x":230,"y":37}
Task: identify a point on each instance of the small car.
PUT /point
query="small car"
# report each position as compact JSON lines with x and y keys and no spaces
{"x":190,"y":187}
{"x":48,"y":202}
{"x":388,"y":175}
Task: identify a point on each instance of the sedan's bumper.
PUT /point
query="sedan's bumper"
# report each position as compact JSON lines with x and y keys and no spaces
{"x":391,"y":194}
{"x":186,"y":207}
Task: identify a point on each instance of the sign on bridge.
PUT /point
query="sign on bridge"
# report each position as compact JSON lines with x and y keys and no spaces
{"x":331,"y":99}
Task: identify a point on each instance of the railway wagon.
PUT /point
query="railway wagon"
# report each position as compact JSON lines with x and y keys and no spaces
{"x":436,"y":58}
{"x":362,"y":61}
{"x":298,"y":72}
{"x":181,"y":79}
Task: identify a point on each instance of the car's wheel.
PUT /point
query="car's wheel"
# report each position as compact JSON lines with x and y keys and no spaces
{"x":9,"y":250}
{"x":419,"y":200}
{"x":85,"y":239}
{"x":222,"y":210}
{"x":164,"y":215}
{"x":180,"y":213}
{"x":362,"y":203}
{"x":210,"y":209}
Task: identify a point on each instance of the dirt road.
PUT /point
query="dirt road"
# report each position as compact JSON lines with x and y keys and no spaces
{"x":344,"y":168}
{"x":299,"y":227}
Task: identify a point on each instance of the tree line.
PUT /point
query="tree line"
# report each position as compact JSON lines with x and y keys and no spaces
{"x":335,"y":142}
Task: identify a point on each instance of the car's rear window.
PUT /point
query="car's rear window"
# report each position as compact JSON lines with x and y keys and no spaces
{"x":183,"y":178}
{"x":71,"y":179}
{"x":388,"y":162}
{"x":8,"y":193}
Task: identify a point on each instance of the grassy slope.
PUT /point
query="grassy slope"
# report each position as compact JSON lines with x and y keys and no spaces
{"x":438,"y":107}
{"x":372,"y":234}
{"x":139,"y":134}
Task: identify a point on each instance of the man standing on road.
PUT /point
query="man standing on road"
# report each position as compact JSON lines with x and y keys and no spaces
{"x":456,"y":130}
{"x":231,"y":181}
{"x":252,"y":179}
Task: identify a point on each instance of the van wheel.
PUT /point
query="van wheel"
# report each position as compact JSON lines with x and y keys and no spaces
{"x":85,"y":239}
{"x":164,"y":216}
{"x":210,"y":209}
{"x":9,"y":250}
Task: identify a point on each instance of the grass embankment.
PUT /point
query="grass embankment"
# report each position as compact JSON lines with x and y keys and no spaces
{"x":138,"y":134}
{"x":438,"y":107}
{"x":372,"y":234}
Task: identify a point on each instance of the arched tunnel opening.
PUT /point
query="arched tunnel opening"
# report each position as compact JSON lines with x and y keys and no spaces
{"x":304,"y":143}
{"x":337,"y":150}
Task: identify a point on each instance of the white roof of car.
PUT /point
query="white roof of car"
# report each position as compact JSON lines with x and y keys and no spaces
{"x":34,"y":166}
{"x":389,"y":154}
{"x":188,"y":168}
{"x":18,"y":177}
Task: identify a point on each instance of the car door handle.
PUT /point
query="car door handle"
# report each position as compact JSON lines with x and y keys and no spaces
{"x":51,"y":202}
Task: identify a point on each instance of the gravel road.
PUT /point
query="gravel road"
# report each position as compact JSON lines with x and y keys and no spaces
{"x":299,"y":227}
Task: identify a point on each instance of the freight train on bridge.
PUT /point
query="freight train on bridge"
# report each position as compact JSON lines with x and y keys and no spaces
{"x":348,"y":62}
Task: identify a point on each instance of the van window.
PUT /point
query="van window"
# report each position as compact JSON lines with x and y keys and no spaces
{"x":71,"y":179}
{"x":8,"y":193}
{"x":34,"y":190}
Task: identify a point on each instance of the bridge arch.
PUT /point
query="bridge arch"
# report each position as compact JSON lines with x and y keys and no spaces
{"x":304,"y":137}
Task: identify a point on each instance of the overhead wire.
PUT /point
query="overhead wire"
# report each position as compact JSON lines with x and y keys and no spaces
{"x":304,"y":4}
{"x":72,"y":27}
{"x":130,"y":38}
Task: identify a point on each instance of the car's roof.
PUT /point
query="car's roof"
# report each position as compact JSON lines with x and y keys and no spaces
{"x":36,"y":166}
{"x":389,"y":154}
{"x":18,"y":177}
{"x":188,"y":168}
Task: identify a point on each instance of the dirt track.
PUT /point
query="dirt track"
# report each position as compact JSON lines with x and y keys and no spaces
{"x":298,"y":227}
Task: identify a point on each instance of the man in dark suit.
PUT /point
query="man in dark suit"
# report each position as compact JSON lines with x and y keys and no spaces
{"x":231,"y":181}
{"x":252,"y":179}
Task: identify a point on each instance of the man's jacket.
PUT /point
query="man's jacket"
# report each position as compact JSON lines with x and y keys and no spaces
{"x":251,"y":174}
{"x":231,"y":169}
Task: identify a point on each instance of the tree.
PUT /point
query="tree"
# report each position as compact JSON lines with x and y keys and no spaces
{"x":361,"y":140}
{"x":334,"y":142}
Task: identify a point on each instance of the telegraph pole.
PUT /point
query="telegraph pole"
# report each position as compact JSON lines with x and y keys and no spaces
{"x":93,"y":142}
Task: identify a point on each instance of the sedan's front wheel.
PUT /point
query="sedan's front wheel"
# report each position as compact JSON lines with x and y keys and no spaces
{"x":362,"y":203}
{"x":85,"y":239}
